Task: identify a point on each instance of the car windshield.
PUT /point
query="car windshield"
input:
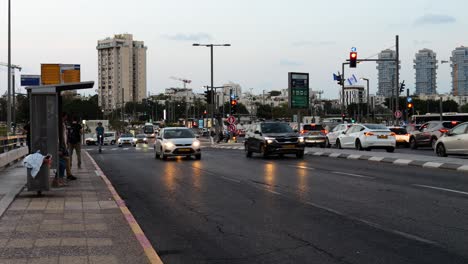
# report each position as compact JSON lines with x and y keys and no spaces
{"x":276,"y":128}
{"x":313,"y":127}
{"x":450,"y":124}
{"x":108,"y":134}
{"x":126,"y":135}
{"x":375,"y":126}
{"x":398,"y":130}
{"x":178,"y":133}
{"x":141,"y":136}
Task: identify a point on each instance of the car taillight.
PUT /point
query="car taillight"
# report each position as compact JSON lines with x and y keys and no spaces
{"x":407,"y":135}
{"x":324,"y":131}
{"x":302,"y":131}
{"x":368,"y":134}
{"x":393,"y":134}
{"x":443,"y":130}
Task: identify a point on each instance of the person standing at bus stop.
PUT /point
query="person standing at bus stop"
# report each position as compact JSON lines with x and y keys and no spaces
{"x":74,"y":141}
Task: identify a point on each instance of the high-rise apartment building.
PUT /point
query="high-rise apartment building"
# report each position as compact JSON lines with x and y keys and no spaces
{"x":386,"y":73}
{"x":459,"y":65}
{"x":122,"y":71}
{"x":425,"y":65}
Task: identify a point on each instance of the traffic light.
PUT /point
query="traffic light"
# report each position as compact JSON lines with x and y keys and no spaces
{"x":402,"y":87}
{"x":233,"y":106}
{"x":343,"y":116}
{"x":409,"y":105}
{"x":205,"y":113}
{"x":209,"y":96}
{"x":352,"y":59}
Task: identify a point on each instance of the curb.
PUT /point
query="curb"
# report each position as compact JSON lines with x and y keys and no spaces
{"x":151,"y":254}
{"x":400,"y":162}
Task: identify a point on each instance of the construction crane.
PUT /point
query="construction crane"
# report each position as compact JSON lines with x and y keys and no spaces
{"x":13,"y":66}
{"x":184,"y":80}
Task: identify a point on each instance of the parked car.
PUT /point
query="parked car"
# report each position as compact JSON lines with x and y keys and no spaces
{"x":367,"y":137}
{"x":109,"y":138}
{"x":141,"y":138}
{"x":176,"y":141}
{"x":269,"y":138}
{"x":401,"y":135}
{"x":429,"y":133}
{"x":91,"y":140}
{"x":314,"y":135}
{"x":127,"y":139}
{"x":453,"y":142}
{"x":333,"y":135}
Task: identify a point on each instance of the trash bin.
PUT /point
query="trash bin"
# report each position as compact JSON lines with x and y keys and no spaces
{"x":40,"y":183}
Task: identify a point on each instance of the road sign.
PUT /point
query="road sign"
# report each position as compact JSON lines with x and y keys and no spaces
{"x":409,"y":99}
{"x":231,"y":120}
{"x":298,"y":90}
{"x":232,"y":128}
{"x":398,"y":114}
{"x":30,"y":80}
{"x":353,"y":49}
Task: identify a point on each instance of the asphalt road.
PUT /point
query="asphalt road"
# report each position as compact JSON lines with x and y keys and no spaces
{"x":230,"y":209}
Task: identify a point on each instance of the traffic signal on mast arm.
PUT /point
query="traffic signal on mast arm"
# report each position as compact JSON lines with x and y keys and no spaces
{"x":410,"y":105}
{"x":352,"y":59}
{"x":209,"y":96}
{"x":233,"y":106}
{"x":402,"y":87}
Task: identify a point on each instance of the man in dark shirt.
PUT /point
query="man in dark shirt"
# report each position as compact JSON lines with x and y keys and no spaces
{"x":74,"y":141}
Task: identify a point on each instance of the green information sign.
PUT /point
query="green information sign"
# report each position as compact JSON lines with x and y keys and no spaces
{"x":298,"y":90}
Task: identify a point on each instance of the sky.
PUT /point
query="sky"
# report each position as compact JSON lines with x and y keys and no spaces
{"x":269,"y":38}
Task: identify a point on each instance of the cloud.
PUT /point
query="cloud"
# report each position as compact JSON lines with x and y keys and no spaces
{"x":188,"y":37}
{"x":313,"y":43}
{"x":286,"y":62}
{"x":433,"y":19}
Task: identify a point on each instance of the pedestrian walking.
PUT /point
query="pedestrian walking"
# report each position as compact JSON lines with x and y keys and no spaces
{"x":74,"y":141}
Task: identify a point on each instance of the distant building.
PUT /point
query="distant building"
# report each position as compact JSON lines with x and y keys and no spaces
{"x":425,"y":65}
{"x":121,"y":70}
{"x":459,"y":65}
{"x":386,"y":73}
{"x":354,"y":94}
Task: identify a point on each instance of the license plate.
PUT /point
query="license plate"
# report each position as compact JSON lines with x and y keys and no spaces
{"x":382,"y":137}
{"x":315,"y":133}
{"x":184,"y":150}
{"x":289,"y":146}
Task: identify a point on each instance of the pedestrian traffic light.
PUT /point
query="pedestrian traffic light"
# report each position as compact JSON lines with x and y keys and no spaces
{"x":209,"y":96}
{"x":402,"y":87}
{"x":352,"y":59}
{"x":233,"y":106}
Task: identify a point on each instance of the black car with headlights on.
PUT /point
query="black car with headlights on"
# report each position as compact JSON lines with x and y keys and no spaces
{"x":273,"y":138}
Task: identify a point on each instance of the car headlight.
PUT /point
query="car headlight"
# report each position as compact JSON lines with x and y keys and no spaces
{"x":269,"y":140}
{"x":145,"y":139}
{"x":134,"y":140}
{"x":301,"y":140}
{"x":196,"y":143}
{"x":169,"y":145}
{"x":119,"y":140}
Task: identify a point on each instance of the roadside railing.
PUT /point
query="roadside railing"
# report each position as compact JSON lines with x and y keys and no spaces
{"x":9,"y":143}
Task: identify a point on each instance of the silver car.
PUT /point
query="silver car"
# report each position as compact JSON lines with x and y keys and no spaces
{"x":176,"y":141}
{"x":454,"y":141}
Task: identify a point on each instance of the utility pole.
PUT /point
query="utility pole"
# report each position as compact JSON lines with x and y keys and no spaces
{"x":397,"y":84}
{"x":9,"y":71}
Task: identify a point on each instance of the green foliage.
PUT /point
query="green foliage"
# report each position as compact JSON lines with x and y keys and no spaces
{"x":86,"y":108}
{"x":464,"y":108}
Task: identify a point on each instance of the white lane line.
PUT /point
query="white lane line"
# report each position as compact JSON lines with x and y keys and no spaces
{"x":229,"y":179}
{"x":375,"y":225}
{"x":302,"y":167}
{"x":440,"y":189}
{"x":352,"y":175}
{"x":272,"y":191}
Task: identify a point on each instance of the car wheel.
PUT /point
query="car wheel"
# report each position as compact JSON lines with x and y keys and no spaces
{"x":162,"y":156}
{"x":300,"y":154}
{"x":358,"y":145}
{"x":441,"y":151}
{"x":338,"y":144}
{"x":120,"y":146}
{"x":322,"y":145}
{"x":413,"y":144}
{"x":264,"y":151}
{"x":327,"y":143}
{"x":433,"y":142}
{"x":391,"y":149}
{"x":113,"y":142}
{"x":198,"y":157}
{"x":248,"y":153}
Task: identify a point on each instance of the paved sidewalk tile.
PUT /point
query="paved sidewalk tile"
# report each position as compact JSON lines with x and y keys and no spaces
{"x":80,"y":223}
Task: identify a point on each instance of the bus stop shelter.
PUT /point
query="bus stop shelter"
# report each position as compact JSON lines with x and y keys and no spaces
{"x":45,"y":103}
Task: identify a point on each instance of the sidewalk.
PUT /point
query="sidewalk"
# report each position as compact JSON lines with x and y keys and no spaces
{"x":80,"y":223}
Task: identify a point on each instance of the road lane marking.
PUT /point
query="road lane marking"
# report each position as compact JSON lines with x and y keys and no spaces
{"x":352,"y":175}
{"x":440,"y":189}
{"x":230,"y":179}
{"x":374,"y":225}
{"x":302,"y":167}
{"x":432,"y":165}
{"x":272,"y":191}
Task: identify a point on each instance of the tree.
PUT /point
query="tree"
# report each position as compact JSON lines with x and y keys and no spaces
{"x":464,"y":108}
{"x":87,"y":108}
{"x":275,"y":93}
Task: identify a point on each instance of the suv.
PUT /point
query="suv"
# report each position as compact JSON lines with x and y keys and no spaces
{"x":429,"y":132}
{"x":314,"y":135}
{"x":270,"y":138}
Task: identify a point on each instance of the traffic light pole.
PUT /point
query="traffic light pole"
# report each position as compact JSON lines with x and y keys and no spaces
{"x":397,"y":85}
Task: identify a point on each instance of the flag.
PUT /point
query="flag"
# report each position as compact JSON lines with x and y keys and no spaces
{"x":335,"y":77}
{"x":355,"y":80}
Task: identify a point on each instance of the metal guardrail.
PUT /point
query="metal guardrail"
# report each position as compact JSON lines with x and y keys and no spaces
{"x":12,"y":142}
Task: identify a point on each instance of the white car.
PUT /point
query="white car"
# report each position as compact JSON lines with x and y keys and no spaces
{"x":127,"y":139}
{"x":401,"y":135}
{"x":453,"y":142}
{"x":176,"y":141}
{"x":367,"y":137}
{"x":333,"y":135}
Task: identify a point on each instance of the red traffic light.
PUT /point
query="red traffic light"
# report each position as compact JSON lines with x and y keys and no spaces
{"x":353,"y":55}
{"x":352,"y":59}
{"x":234,"y":102}
{"x":410,"y":105}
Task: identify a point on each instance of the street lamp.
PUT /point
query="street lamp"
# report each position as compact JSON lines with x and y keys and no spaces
{"x":368,"y":97}
{"x":212,"y":81}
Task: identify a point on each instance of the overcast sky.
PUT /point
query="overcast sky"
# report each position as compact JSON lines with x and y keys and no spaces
{"x":269,"y":37}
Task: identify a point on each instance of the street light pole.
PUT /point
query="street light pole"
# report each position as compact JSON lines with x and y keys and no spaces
{"x":368,"y":97}
{"x":9,"y":70}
